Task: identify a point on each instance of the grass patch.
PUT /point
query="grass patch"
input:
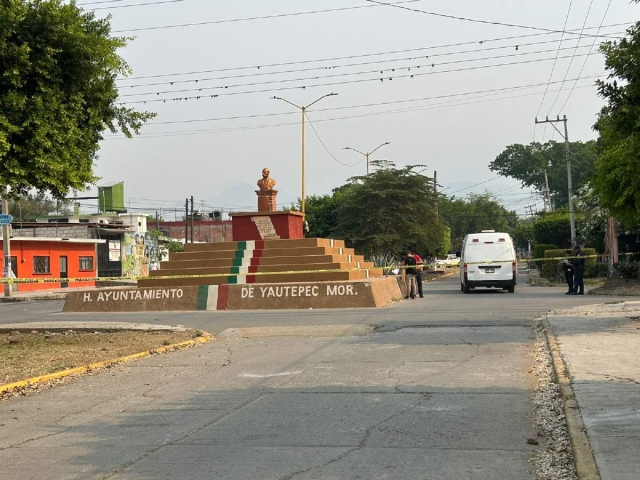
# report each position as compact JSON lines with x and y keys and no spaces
{"x":619,"y":287}
{"x":27,"y":355}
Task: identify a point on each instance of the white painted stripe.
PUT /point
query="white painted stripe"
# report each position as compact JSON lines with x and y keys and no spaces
{"x":367,"y":273}
{"x":251,"y":244}
{"x":242,"y":280}
{"x":283,"y":374}
{"x":349,"y":258}
{"x":212,"y":297}
{"x":340,"y":251}
{"x":331,"y":242}
{"x":244,"y":269}
{"x":246,"y":262}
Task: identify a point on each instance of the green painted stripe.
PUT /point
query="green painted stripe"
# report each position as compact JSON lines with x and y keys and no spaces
{"x":237,"y":262}
{"x":203,"y":295}
{"x":235,"y":269}
{"x":232,"y":280}
{"x":242,"y":245}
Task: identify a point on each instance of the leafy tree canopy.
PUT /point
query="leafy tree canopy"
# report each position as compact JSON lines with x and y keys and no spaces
{"x":475,"y":213}
{"x":527,"y":163}
{"x":58,"y":93}
{"x":390,"y":210}
{"x":617,"y":176}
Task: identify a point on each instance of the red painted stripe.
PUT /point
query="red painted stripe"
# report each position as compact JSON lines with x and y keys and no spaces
{"x":251,"y":279}
{"x":257,"y":253}
{"x":223,"y":297}
{"x":259,"y":244}
{"x":253,"y":268}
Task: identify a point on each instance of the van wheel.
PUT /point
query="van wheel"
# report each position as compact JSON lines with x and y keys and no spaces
{"x":512,"y":289}
{"x":465,"y":289}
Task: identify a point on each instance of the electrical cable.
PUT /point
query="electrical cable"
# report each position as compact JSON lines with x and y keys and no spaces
{"x":344,"y":82}
{"x":341,"y":75}
{"x":257,"y":127}
{"x":553,"y":68}
{"x":571,"y":61}
{"x":350,"y":57}
{"x":134,"y":5}
{"x":247,"y":19}
{"x":466,"y":19}
{"x":585,"y":61}
{"x":325,"y":147}
{"x":394,"y":102}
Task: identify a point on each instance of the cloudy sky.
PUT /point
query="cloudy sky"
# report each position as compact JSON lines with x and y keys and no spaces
{"x":448,"y":93}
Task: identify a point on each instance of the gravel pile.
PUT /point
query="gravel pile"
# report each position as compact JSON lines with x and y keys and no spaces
{"x":554,"y":461}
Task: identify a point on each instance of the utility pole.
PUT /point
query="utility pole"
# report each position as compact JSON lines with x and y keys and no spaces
{"x":186,"y":220}
{"x":368,"y":154}
{"x":548,"y":194}
{"x":191,"y":218}
{"x":435,"y":189}
{"x":529,"y":209}
{"x":157,"y":221}
{"x":303,"y":109}
{"x":572,"y":213}
{"x":6,"y":243}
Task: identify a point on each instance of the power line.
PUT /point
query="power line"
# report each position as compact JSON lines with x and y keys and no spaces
{"x":388,"y":71}
{"x":247,"y":19}
{"x":585,"y":61}
{"x":394,"y":102}
{"x":466,"y":19}
{"x":344,"y":82}
{"x":132,"y":5}
{"x":366,"y":55}
{"x":572,"y":58}
{"x":474,"y":185}
{"x":325,"y":147}
{"x":554,"y":65}
{"x":257,"y":127}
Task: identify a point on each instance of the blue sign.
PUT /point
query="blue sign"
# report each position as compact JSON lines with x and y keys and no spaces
{"x":5,"y":219}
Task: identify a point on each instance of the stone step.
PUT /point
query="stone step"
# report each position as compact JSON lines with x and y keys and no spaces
{"x":236,"y":262}
{"x":271,"y":252}
{"x":267,"y":278}
{"x":260,"y":268}
{"x":264,"y":244}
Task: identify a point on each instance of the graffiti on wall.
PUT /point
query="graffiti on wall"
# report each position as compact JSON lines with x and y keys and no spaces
{"x":140,"y":254}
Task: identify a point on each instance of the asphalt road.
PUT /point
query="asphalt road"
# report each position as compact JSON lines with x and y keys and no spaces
{"x":439,"y":389}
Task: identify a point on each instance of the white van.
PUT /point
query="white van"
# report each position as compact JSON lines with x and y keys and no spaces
{"x":488,"y":259}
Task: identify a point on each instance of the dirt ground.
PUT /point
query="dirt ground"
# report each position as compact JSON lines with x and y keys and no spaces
{"x":27,"y":355}
{"x":618,"y":286}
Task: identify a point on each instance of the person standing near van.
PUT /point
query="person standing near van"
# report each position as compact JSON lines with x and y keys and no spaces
{"x":567,"y":267}
{"x":420,"y":269}
{"x":410,"y":273}
{"x":578,"y":270}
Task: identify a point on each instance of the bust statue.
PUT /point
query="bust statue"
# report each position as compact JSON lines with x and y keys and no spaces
{"x":266,"y":183}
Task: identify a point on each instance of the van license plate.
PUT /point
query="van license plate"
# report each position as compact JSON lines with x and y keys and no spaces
{"x":489,"y":270}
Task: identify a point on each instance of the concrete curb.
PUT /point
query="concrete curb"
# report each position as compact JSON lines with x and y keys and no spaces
{"x":586,"y":466}
{"x":35,"y":298}
{"x":94,"y":366}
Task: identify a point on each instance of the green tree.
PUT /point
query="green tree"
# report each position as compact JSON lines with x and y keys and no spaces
{"x":475,"y":213}
{"x":390,"y":210}
{"x":322,"y":213}
{"x":527,"y":163}
{"x":617,"y":176}
{"x":554,"y":228}
{"x":31,"y":206}
{"x":58,"y":95}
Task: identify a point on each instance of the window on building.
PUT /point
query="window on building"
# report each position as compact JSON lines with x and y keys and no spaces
{"x":86,"y":264}
{"x":41,"y":265}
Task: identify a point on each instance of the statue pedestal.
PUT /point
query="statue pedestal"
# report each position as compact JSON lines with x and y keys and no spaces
{"x":266,"y":225}
{"x":267,"y":200}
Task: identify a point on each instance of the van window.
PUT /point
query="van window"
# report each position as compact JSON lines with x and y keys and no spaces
{"x":497,"y":252}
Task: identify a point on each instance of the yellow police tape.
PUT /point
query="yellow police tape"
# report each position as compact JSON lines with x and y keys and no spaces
{"x":12,"y":281}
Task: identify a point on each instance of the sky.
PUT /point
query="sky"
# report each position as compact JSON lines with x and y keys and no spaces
{"x":475,"y":90}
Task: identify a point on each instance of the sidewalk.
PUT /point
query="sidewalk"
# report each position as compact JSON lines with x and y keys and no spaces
{"x":53,"y":294}
{"x":599,"y":346}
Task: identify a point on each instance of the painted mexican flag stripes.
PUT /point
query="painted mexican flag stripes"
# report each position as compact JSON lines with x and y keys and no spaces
{"x":246,"y":260}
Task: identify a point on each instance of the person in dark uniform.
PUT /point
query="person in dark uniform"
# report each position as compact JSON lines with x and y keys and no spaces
{"x":568,"y":271}
{"x":578,"y":270}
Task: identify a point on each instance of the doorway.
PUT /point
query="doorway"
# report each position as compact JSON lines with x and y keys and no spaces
{"x":64,"y":270}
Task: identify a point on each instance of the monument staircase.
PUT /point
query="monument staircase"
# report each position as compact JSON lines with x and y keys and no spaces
{"x":263,"y":262}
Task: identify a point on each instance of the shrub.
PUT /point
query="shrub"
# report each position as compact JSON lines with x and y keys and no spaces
{"x":628,"y":270}
{"x":552,"y":271}
{"x":553,"y":228}
{"x":538,"y":252}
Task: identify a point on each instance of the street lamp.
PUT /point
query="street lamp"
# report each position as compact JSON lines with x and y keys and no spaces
{"x":367,"y":155}
{"x":304,"y":113}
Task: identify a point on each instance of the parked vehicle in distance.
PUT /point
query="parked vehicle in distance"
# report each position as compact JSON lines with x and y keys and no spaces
{"x":488,"y":260}
{"x":452,"y":260}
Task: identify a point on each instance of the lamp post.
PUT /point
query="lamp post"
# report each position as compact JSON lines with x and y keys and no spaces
{"x":303,"y":109}
{"x":368,"y":154}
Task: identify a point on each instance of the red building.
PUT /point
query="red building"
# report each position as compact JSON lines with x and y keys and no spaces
{"x":52,"y":258}
{"x":205,"y":231}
